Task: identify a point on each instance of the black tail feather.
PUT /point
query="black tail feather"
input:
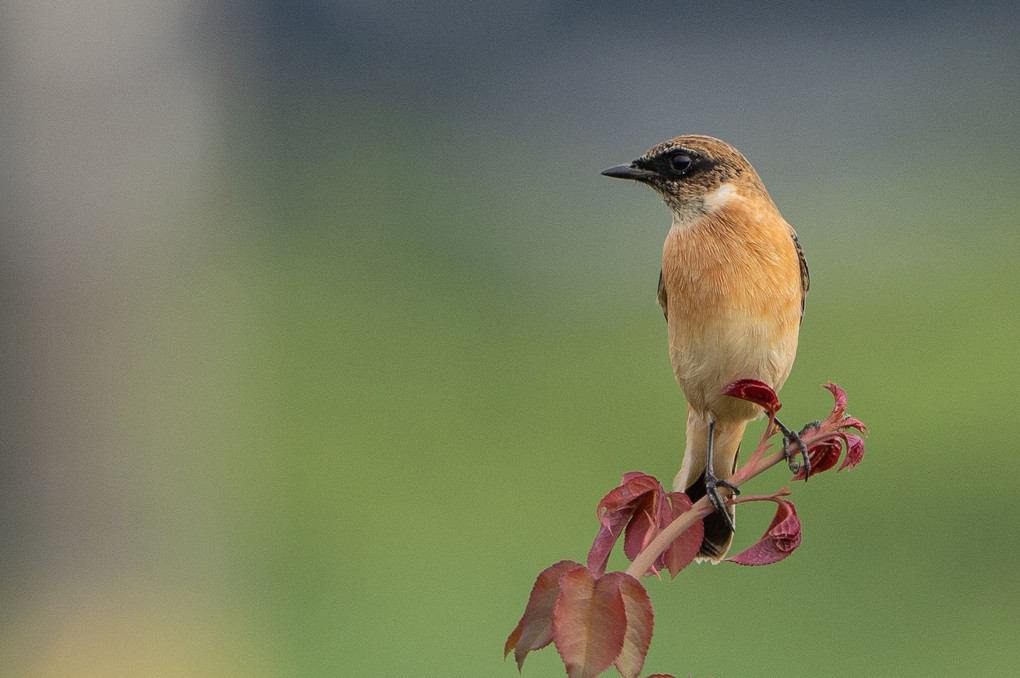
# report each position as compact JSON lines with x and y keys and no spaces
{"x":718,"y":534}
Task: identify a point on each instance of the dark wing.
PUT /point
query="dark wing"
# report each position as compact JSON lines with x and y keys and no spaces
{"x":660,"y":295}
{"x":805,"y":277}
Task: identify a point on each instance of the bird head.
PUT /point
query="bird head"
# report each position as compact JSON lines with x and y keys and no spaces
{"x":694,"y":174}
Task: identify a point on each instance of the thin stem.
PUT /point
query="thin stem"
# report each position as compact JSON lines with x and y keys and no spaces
{"x":760,"y":497}
{"x":669,"y":534}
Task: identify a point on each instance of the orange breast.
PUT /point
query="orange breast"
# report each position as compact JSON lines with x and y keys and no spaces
{"x":733,"y":292}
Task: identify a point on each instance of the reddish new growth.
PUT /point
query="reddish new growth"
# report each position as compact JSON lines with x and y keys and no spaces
{"x":598,"y":619}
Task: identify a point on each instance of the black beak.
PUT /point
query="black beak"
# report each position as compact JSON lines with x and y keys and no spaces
{"x":630,"y":171}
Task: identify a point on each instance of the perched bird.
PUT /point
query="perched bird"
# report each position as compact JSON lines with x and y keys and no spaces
{"x":732,"y":287}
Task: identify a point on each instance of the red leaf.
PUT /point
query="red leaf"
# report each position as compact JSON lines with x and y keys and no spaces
{"x":651,"y":514}
{"x":615,"y":510}
{"x":838,"y":418}
{"x":632,"y":488}
{"x":840,"y":396}
{"x":778,"y":542}
{"x":823,"y":455}
{"x":640,"y":620}
{"x":685,"y":548}
{"x":851,"y":422}
{"x":534,"y":630}
{"x":631,"y":475}
{"x":854,"y":451}
{"x":589,"y":622}
{"x":605,"y":540}
{"x":757,"y":392}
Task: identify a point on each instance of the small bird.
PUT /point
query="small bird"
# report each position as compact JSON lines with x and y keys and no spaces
{"x":732,"y":287}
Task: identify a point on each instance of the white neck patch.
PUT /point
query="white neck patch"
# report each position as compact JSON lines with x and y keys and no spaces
{"x":720,"y":197}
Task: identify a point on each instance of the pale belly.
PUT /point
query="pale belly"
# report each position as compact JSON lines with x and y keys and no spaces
{"x":718,"y":353}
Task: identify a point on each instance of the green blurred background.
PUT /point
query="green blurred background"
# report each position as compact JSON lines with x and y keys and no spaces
{"x":322,"y":334}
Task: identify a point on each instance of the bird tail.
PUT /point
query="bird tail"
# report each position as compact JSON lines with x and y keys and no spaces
{"x":691,"y":478}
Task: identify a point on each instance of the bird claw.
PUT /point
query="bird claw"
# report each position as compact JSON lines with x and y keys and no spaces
{"x":792,"y":439}
{"x":711,"y":483}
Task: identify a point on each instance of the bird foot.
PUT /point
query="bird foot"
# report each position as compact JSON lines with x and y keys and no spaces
{"x":793,"y":440}
{"x":711,"y":491}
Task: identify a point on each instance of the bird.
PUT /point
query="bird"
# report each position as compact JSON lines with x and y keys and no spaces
{"x":732,"y":288}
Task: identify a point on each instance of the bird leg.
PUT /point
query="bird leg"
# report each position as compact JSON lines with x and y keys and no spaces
{"x":712,"y":482}
{"x":793,"y":438}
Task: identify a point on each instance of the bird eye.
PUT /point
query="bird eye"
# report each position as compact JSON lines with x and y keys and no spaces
{"x":680,"y":162}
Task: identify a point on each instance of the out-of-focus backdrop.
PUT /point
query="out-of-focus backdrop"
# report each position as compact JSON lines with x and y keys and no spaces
{"x":322,"y":334}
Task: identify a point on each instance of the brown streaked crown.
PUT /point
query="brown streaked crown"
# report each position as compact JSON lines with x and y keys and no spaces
{"x":686,"y":169}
